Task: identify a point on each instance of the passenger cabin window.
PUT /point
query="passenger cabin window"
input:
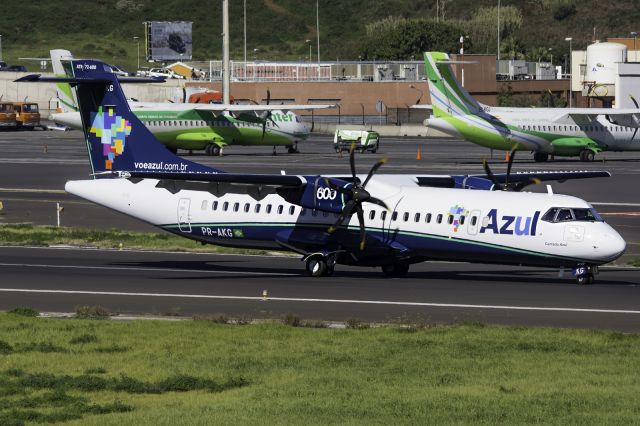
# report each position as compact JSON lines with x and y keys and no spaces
{"x":427,"y":218}
{"x":394,"y":216}
{"x":383,"y":215}
{"x":372,"y":214}
{"x":416,"y":218}
{"x":439,"y":218}
{"x":405,"y":216}
{"x":257,"y":209}
{"x":450,"y":219}
{"x":462,"y":218}
{"x":236,"y":207}
{"x":268,"y":208}
{"x":292,"y":210}
{"x":214,"y":205}
{"x":247,"y":206}
{"x":280,"y":208}
{"x":225,"y":206}
{"x":474,"y":220}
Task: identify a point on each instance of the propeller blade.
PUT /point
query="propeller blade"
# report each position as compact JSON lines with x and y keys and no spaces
{"x":345,"y":213}
{"x":352,"y":160}
{"x":268,"y":96}
{"x":335,"y":187}
{"x":363,"y":234}
{"x":379,"y":202}
{"x":634,"y":133}
{"x":489,"y":173}
{"x":512,"y":155}
{"x":521,"y":185}
{"x":373,"y":170}
{"x":634,"y":101}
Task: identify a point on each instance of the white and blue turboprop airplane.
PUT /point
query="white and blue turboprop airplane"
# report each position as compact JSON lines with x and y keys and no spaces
{"x":390,"y":221}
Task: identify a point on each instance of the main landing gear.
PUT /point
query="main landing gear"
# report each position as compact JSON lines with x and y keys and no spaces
{"x":395,"y":269}
{"x":585,"y":274}
{"x":320,"y":265}
{"x":540,"y":157}
{"x":212,"y":149}
{"x":587,"y":155}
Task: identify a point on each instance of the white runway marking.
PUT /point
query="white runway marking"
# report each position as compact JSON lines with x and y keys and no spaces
{"x":133,"y":268}
{"x":297,"y":299}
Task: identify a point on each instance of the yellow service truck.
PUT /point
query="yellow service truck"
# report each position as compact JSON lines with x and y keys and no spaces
{"x":365,"y":140}
{"x":7,"y":116}
{"x":27,"y":114}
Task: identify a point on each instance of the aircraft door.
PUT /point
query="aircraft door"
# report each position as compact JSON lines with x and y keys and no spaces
{"x":473,"y":222}
{"x":184,"y":220}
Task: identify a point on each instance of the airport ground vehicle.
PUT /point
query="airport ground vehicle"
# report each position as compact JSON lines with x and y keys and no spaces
{"x":7,"y":116}
{"x":366,"y":140}
{"x":27,"y":114}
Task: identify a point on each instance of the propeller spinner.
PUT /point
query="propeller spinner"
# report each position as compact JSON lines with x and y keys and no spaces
{"x":506,"y":186}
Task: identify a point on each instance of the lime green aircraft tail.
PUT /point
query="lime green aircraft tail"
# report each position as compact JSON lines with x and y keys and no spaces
{"x":66,"y":96}
{"x":448,"y":97}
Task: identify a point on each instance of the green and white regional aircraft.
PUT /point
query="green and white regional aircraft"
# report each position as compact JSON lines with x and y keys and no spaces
{"x":193,"y":127}
{"x":582,"y":132}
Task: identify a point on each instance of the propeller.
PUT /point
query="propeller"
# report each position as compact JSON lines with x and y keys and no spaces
{"x":266,"y":116}
{"x":506,"y":186}
{"x":357,"y":195}
{"x":636,"y":104}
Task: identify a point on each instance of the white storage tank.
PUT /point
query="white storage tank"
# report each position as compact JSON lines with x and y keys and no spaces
{"x":602,"y":62}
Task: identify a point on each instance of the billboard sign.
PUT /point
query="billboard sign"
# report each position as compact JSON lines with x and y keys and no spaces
{"x":168,"y":41}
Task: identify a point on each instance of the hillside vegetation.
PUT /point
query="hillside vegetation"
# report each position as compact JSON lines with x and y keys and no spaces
{"x":279,"y":28}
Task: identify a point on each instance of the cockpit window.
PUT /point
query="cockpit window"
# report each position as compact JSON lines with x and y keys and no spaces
{"x":559,"y":214}
{"x":564,"y":215}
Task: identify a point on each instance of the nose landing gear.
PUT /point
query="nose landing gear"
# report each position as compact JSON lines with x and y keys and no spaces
{"x":585,"y":274}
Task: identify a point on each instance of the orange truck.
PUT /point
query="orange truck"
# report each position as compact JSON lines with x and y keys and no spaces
{"x":27,"y":114}
{"x":7,"y":116}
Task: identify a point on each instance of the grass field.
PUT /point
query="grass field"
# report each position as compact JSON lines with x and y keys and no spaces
{"x":42,"y":236}
{"x":90,"y":372}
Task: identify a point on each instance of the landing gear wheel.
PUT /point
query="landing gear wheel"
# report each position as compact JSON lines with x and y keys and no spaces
{"x":317,"y":267}
{"x":587,"y":155}
{"x":292,"y":149}
{"x":540,"y":157}
{"x":213,"y":150}
{"x":585,"y":279}
{"x":396,"y":269}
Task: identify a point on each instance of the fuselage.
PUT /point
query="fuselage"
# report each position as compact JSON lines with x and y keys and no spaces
{"x":194,"y":129}
{"x":423,"y":223}
{"x":538,"y":130}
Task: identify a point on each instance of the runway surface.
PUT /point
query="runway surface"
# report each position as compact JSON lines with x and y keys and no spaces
{"x":34,"y":167}
{"x":60,"y":279}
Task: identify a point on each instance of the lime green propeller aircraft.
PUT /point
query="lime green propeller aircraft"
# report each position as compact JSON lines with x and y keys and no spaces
{"x":569,"y":132}
{"x":209,"y":127}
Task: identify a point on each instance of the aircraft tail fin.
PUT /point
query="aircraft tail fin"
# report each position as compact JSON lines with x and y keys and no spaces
{"x":448,"y":97}
{"x":117,"y":140}
{"x":66,"y":95}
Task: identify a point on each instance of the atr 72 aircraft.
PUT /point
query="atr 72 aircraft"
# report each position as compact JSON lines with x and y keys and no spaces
{"x":208,"y":127}
{"x":580,"y":132}
{"x":389,"y":221}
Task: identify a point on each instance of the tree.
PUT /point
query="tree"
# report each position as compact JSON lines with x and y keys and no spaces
{"x":395,"y":38}
{"x":483,"y":27}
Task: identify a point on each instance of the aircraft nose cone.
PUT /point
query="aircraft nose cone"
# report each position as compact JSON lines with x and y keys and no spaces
{"x":613,"y":245}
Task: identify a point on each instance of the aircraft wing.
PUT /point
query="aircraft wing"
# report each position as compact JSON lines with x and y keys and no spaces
{"x":628,"y":117}
{"x":483,"y":182}
{"x":258,"y":108}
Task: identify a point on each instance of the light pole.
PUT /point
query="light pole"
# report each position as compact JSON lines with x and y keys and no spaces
{"x":245,"y":40}
{"x":309,"y":43}
{"x":634,"y":34}
{"x":498,"y":30}
{"x":462,"y":54}
{"x":0,"y":47}
{"x":137,"y":40}
{"x":570,"y":39}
